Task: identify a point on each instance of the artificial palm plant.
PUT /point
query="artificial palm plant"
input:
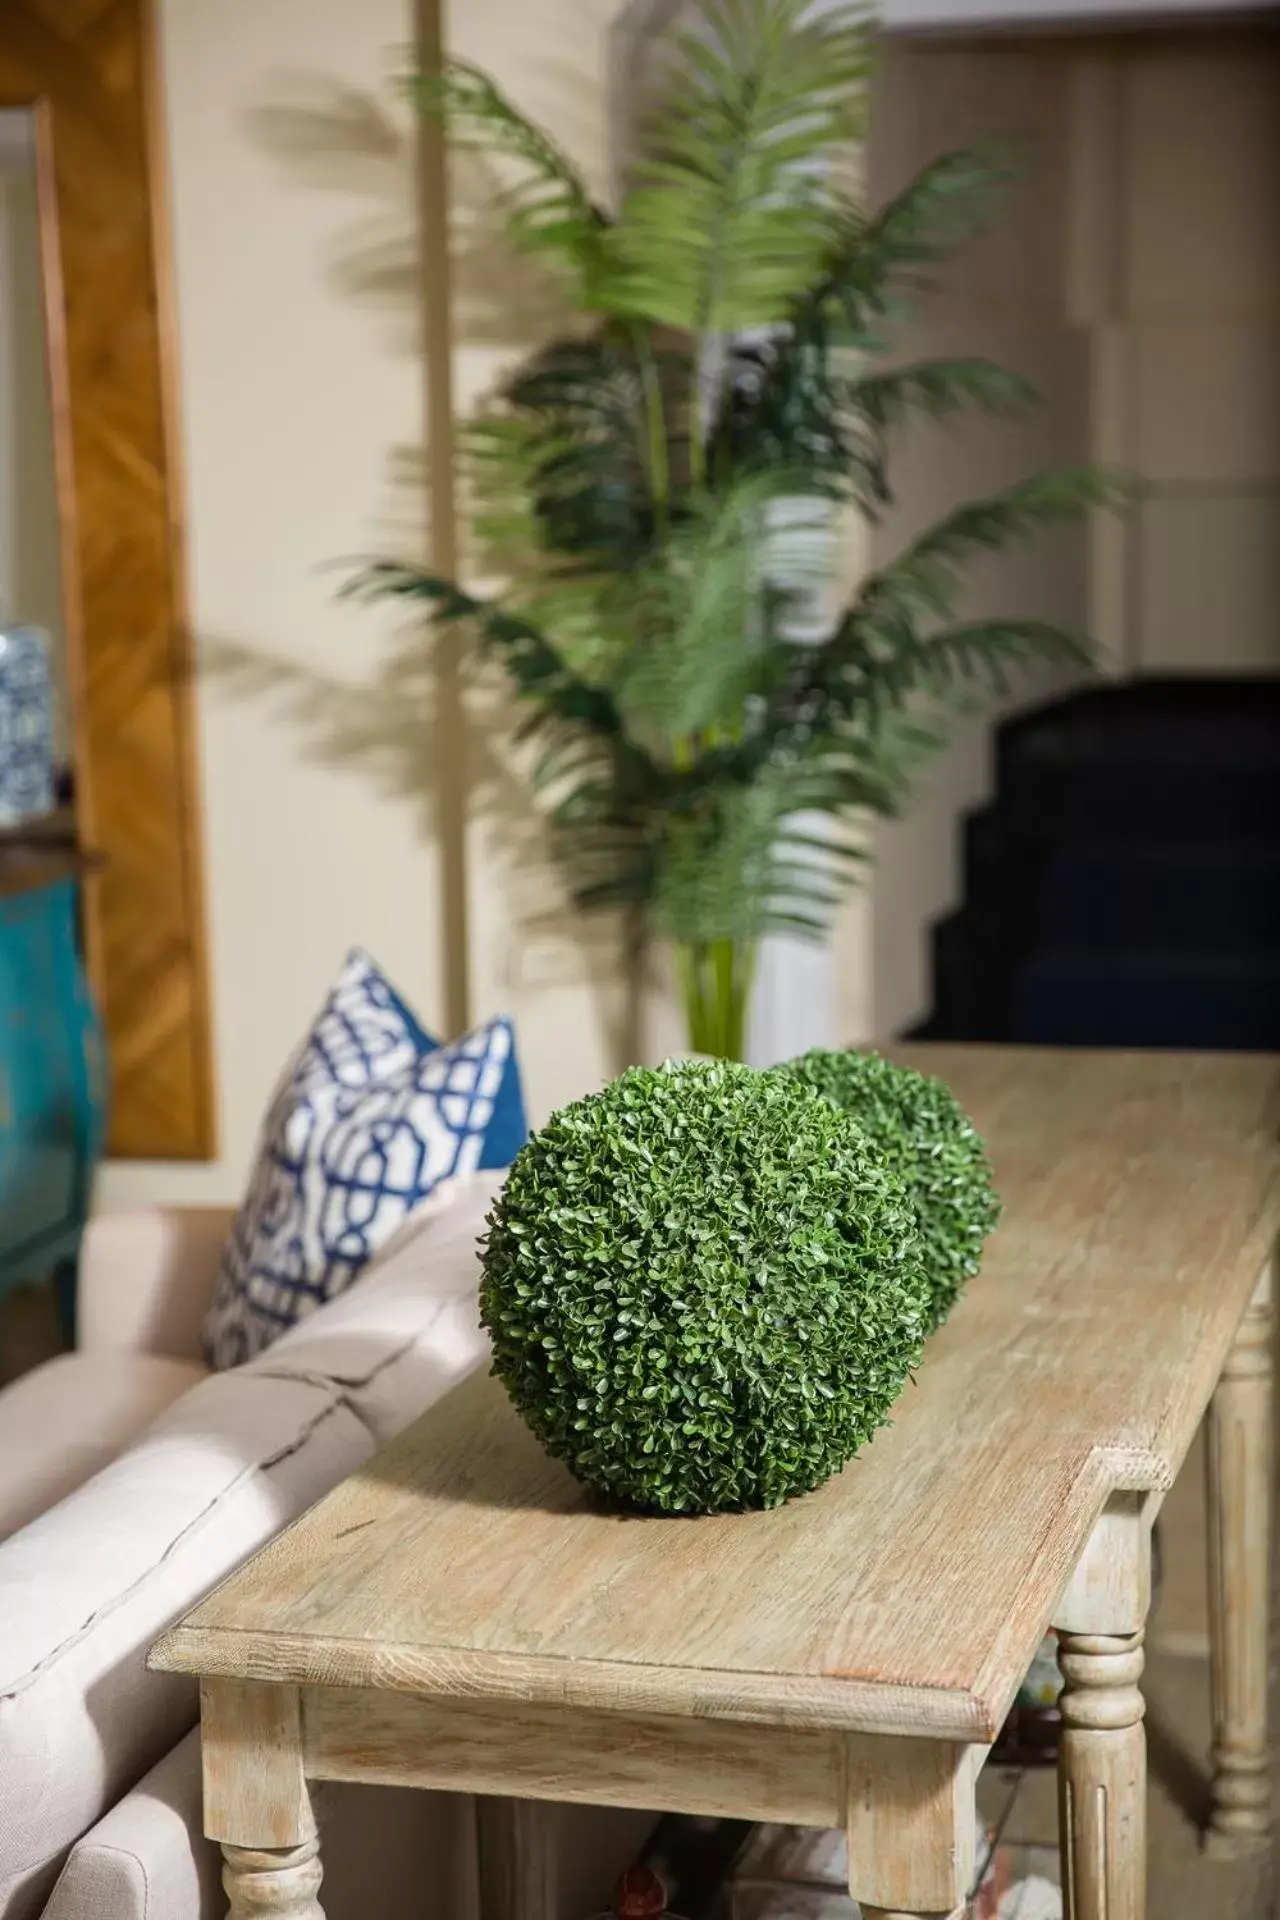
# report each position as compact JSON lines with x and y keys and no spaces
{"x":644,"y":483}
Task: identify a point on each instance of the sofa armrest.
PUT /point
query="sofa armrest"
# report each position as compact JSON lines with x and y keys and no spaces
{"x":147,"y":1279}
{"x":147,"y":1858}
{"x":391,"y":1851}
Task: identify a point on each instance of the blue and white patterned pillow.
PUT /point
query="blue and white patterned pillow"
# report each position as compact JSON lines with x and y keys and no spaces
{"x":371,"y":1116}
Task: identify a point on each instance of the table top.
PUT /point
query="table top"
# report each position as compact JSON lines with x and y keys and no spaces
{"x":1142,"y":1200}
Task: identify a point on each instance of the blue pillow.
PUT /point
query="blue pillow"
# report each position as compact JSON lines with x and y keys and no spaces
{"x":371,"y":1116}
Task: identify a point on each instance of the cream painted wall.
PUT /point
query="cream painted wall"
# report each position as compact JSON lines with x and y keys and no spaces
{"x":301,"y":385}
{"x":299,"y":292}
{"x":1192,"y":322}
{"x":1138,"y":283}
{"x":302,"y":397}
{"x":1004,"y":297}
{"x":561,"y":978}
{"x":300,"y":363}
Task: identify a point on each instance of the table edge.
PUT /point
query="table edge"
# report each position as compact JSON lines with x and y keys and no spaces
{"x":811,"y":1701}
{"x":971,"y":1713}
{"x":829,"y":1702}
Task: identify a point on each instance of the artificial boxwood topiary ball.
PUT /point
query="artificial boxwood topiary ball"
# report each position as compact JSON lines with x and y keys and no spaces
{"x":704,"y":1288}
{"x":928,"y":1138}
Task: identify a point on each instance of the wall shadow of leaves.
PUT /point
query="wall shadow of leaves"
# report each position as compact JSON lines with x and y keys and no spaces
{"x":345,"y":141}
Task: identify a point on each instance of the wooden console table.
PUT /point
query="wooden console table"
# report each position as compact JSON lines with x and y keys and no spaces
{"x":460,"y":1615}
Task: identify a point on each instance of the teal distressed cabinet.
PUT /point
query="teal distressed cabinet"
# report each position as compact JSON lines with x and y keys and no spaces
{"x":52,"y":1076}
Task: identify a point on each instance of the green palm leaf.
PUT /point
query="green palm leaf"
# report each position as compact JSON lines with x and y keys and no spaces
{"x":699,"y":769}
{"x":536,"y":670}
{"x":948,"y":203}
{"x":608,"y":408}
{"x":727,"y":220}
{"x":706,"y":611}
{"x":547,"y":209}
{"x":736,"y":865}
{"x":924,"y":580}
{"x":786,"y":394}
{"x":895,"y":663}
{"x":982,"y":653}
{"x":938,"y":388}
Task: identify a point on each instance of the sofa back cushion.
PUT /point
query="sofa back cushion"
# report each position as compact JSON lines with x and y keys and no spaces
{"x":410,"y":1329}
{"x":64,"y":1421}
{"x":87,"y":1588}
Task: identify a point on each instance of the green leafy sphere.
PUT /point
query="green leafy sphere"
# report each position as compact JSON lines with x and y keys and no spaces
{"x":928,"y":1138}
{"x":704,"y":1288}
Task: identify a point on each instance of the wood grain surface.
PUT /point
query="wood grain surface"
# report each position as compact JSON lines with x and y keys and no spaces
{"x":1142,"y":1197}
{"x":89,"y":68}
{"x":1102,"y":1777}
{"x":562,"y":1753}
{"x":516,"y":1857}
{"x":910,"y":1825}
{"x":255,"y":1794}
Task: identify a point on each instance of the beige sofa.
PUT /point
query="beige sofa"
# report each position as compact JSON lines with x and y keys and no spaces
{"x":130,"y":1481}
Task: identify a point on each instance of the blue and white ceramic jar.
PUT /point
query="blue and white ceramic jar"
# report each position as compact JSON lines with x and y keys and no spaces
{"x":26,"y":725}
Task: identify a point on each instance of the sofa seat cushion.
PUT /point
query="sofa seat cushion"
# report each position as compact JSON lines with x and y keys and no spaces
{"x":66,"y":1419}
{"x":88,"y":1587}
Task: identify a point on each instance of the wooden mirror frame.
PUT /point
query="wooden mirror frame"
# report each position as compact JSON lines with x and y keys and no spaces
{"x":89,"y":75}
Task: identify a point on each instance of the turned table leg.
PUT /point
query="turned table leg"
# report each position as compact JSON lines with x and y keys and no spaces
{"x":1102,"y":1777}
{"x":885,"y":1913}
{"x":256,"y":1801}
{"x":1102,"y":1755}
{"x":516,"y":1840}
{"x":282,"y":1882}
{"x":1240,"y":1471}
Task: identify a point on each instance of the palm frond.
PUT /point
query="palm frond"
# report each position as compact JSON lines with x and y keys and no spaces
{"x":500,"y":461}
{"x":978,"y":655}
{"x":872,"y":259}
{"x":697,"y":766}
{"x":562,"y":493}
{"x":606,"y":833}
{"x":534,"y":667}
{"x":864,"y":686}
{"x":922,"y":582}
{"x":786,"y":392}
{"x":938,"y":388}
{"x":609,"y":408}
{"x":729,"y":218}
{"x":547,"y":209}
{"x":706,"y":609}
{"x":784,"y":406}
{"x":737,"y":864}
{"x":981,"y":653}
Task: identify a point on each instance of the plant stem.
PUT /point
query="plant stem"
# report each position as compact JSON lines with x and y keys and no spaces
{"x":715,"y":991}
{"x":656,"y":426}
{"x":704,"y":402}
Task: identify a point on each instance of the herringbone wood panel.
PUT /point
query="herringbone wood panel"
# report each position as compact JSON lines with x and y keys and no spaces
{"x":90,"y":62}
